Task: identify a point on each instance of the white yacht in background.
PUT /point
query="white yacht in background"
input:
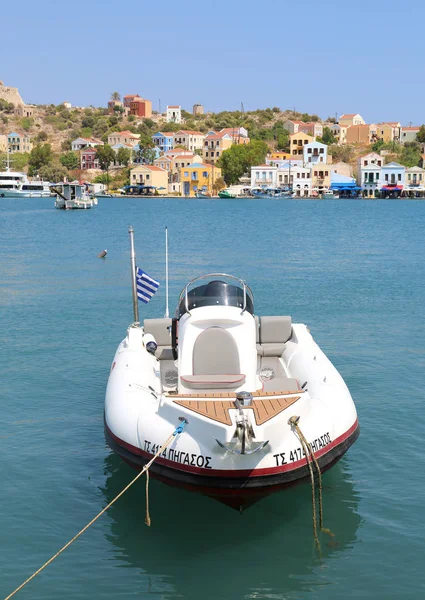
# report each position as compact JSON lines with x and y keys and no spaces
{"x":15,"y":184}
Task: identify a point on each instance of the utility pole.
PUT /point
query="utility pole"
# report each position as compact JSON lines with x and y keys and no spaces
{"x":159,"y":105}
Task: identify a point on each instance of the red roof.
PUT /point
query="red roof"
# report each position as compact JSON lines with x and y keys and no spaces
{"x":410,"y":128}
{"x":176,"y":106}
{"x":348,"y":116}
{"x":127,"y":133}
{"x":213,"y":136}
{"x":131,"y":96}
{"x":154,"y":168}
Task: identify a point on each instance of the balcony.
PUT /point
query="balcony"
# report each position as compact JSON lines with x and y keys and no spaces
{"x":260,"y":181}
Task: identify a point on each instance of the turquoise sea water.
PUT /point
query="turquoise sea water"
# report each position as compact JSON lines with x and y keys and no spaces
{"x":352,"y":270}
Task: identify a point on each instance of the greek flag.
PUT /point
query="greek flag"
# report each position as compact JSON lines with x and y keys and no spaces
{"x":146,"y":286}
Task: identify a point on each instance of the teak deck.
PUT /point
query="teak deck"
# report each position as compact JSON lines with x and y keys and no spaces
{"x":218,"y":410}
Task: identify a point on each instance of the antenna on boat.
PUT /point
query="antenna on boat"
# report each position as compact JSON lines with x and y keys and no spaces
{"x":133,"y":277}
{"x":167,"y":314}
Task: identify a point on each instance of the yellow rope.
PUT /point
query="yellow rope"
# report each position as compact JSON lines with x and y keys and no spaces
{"x":309,"y":456}
{"x":144,"y":470}
{"x":148,"y":517}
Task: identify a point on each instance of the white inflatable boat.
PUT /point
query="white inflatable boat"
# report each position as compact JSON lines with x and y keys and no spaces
{"x":235,"y":379}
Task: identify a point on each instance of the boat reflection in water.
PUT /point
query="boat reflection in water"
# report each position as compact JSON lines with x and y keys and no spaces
{"x":196,"y":548}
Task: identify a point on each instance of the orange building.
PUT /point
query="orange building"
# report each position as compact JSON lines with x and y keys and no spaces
{"x":139,"y":107}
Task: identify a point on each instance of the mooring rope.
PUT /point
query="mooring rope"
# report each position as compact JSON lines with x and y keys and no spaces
{"x":309,"y":456}
{"x":145,"y":469}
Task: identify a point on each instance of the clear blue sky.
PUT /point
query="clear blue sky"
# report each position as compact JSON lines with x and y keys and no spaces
{"x":322,"y":57}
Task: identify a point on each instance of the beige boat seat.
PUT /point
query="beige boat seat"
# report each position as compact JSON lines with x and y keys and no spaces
{"x":273,"y":333}
{"x":215,"y":361}
{"x":161,"y":331}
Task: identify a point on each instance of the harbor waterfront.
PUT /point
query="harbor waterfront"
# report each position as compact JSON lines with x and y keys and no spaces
{"x":351,"y":270}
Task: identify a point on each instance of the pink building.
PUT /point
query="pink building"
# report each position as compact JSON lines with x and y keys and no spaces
{"x":88,"y":159}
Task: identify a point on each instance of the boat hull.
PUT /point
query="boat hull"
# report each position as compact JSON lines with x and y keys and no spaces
{"x":238,"y":490}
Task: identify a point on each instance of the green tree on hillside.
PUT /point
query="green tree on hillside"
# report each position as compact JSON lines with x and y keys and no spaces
{"x":123,"y":156}
{"x":146,"y":155}
{"x":115,"y":96}
{"x":70,"y":160}
{"x":40,"y":156}
{"x":105,"y":155}
{"x":238,"y":159}
{"x":420,"y":137}
{"x":327,"y":137}
{"x":410,"y":154}
{"x":54,"y":172}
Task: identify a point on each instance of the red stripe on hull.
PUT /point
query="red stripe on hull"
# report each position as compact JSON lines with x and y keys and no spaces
{"x":234,"y":473}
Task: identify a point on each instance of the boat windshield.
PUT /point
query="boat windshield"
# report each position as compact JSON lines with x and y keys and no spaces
{"x":216,"y":293}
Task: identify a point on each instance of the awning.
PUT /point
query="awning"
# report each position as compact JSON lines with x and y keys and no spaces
{"x":397,"y":188}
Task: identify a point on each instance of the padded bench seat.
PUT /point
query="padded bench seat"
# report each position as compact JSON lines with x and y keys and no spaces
{"x":213,"y":381}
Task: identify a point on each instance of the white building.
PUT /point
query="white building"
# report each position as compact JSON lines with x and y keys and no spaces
{"x":174,"y":114}
{"x":81,"y":143}
{"x":392,"y":179}
{"x":314,"y":153}
{"x":297,"y":178}
{"x":415,"y":181}
{"x":192,"y":140}
{"x":408,"y":134}
{"x":339,"y":132}
{"x":263,"y":176}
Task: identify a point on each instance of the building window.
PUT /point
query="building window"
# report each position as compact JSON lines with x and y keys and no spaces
{"x":409,"y":176}
{"x":399,"y":176}
{"x":321,"y":150}
{"x":365,"y":163}
{"x":386,"y":176}
{"x":308,"y":150}
{"x":204,"y":173}
{"x":186,"y":174}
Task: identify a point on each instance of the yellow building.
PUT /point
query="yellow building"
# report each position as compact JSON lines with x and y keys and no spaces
{"x":297,"y":141}
{"x":214,"y":146}
{"x":199,"y":178}
{"x":321,"y":178}
{"x":280,"y":155}
{"x":389,"y":132}
{"x":150,"y":175}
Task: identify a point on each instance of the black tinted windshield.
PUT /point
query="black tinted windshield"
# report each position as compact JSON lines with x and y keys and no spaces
{"x":215,"y":293}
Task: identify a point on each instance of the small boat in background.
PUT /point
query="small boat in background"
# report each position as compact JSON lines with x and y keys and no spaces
{"x":226,"y":194}
{"x":270,"y":193}
{"x":72,"y":196}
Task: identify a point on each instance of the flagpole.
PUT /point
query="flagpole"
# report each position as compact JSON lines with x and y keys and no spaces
{"x":167,"y":314}
{"x":133,"y":277}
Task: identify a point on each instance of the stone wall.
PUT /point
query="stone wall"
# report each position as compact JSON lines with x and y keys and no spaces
{"x":10,"y":94}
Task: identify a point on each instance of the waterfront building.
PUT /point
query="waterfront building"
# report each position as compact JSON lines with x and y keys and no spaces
{"x":415,"y":181}
{"x":297,"y":141}
{"x":80,"y":143}
{"x":264,"y":176}
{"x":372,"y":158}
{"x":389,"y":131}
{"x":177,"y":152}
{"x":198,"y":109}
{"x":320,"y":178}
{"x":127,"y":138}
{"x":351,"y":119}
{"x":88,"y":159}
{"x":149,"y":175}
{"x":361,"y":134}
{"x":164,"y":140}
{"x":18,"y":142}
{"x":408,"y":134}
{"x":199,"y":178}
{"x":214,"y":146}
{"x":191,"y":140}
{"x":315,"y":152}
{"x":345,"y":185}
{"x":174,"y":114}
{"x":140,"y":107}
{"x":339,"y":132}
{"x":392,"y":180}
{"x":239,"y":135}
{"x":295,"y":177}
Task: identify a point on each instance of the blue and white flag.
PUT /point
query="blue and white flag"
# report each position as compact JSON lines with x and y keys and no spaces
{"x":146,"y":286}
